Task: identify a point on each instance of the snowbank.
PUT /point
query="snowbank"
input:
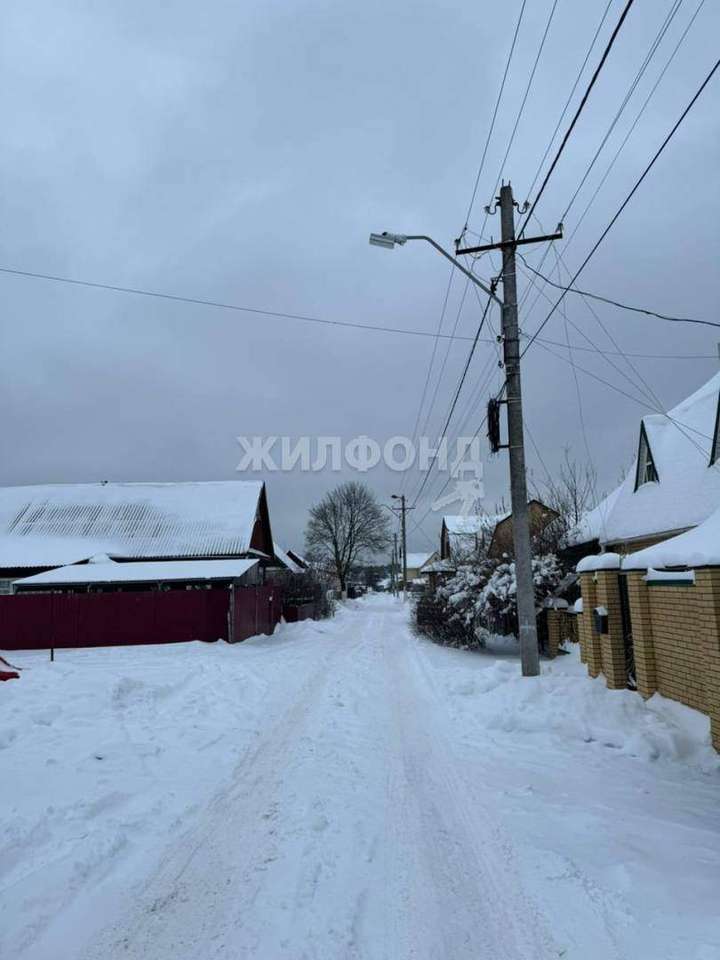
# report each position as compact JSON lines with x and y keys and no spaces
{"x":564,"y":703}
{"x":109,"y":751}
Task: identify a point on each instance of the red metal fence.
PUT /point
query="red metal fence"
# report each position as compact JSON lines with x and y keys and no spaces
{"x":256,"y":610}
{"x":305,"y":611}
{"x":44,"y":620}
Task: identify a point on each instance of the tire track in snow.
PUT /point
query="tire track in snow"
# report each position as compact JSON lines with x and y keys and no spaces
{"x":180,"y":911}
{"x":478,"y":905}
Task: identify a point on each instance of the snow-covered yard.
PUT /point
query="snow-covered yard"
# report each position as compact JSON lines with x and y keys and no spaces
{"x":345,"y":790}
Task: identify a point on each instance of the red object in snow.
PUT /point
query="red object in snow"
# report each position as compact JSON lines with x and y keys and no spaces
{"x":10,"y":674}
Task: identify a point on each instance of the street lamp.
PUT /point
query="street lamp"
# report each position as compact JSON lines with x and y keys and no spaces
{"x":388,"y":240}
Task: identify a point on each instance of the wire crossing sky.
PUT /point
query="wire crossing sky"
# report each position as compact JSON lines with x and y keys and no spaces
{"x":240,"y":154}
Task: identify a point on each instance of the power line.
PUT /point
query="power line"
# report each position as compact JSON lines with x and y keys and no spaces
{"x":570,"y":96}
{"x":635,"y":123}
{"x":624,"y":353}
{"x":627,"y":199}
{"x":616,"y":303}
{"x":458,"y":389}
{"x":522,"y":106}
{"x":222,"y":305}
{"x":452,"y":269}
{"x":626,"y":99}
{"x":507,"y":152}
{"x":579,"y":110}
{"x":618,"y":152}
{"x":495,"y":111}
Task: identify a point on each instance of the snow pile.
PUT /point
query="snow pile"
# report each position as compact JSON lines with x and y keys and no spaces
{"x":106,"y":753}
{"x":564,"y":703}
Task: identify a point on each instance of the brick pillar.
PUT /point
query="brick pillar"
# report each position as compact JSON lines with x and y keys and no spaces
{"x":580,"y":635}
{"x":641,"y":622}
{"x":553,"y":629}
{"x":589,"y":640}
{"x":707,"y":584}
{"x":612,"y":644}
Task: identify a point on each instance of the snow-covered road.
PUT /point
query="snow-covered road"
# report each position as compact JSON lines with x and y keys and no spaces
{"x":371,"y":810}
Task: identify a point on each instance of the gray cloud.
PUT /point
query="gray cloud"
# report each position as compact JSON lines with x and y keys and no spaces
{"x":243,"y":152}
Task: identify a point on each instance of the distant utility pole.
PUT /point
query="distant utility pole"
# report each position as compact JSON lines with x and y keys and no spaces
{"x":527,"y":624}
{"x":403,"y":510}
{"x":393,"y":568}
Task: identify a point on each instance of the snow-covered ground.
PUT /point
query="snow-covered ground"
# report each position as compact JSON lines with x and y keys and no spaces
{"x":345,"y":790}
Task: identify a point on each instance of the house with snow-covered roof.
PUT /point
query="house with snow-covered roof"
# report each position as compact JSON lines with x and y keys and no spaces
{"x":43,"y":527}
{"x":673,"y":485}
{"x":491,"y":535}
{"x":650,"y":615}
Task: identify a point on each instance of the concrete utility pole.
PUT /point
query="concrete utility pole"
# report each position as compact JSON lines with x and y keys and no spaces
{"x":516,"y":443}
{"x":395,"y":565}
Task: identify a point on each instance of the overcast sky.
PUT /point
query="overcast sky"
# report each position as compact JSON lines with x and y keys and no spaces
{"x":243,"y":151}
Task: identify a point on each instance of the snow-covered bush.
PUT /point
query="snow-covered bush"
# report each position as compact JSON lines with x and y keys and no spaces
{"x":449,"y":616}
{"x":480,"y":599}
{"x":496,"y":605}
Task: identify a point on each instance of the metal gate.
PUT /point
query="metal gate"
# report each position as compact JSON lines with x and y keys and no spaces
{"x":627,"y":633}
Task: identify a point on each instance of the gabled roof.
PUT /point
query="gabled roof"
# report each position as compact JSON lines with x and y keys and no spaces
{"x":417,"y":560}
{"x":688,"y":487}
{"x":472,"y":524}
{"x":149,"y":571}
{"x":286,"y":560}
{"x":54,"y":524}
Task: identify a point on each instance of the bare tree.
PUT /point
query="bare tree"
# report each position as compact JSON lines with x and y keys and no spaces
{"x":571,"y":495}
{"x":345,"y":526}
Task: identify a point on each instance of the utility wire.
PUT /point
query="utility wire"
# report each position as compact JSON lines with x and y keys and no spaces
{"x":617,"y":154}
{"x":457,"y":391}
{"x":495,"y":112}
{"x":570,"y":96}
{"x":627,"y":199}
{"x":219,"y":304}
{"x":634,"y":123}
{"x":626,"y":99}
{"x":579,"y":110}
{"x":616,"y":303}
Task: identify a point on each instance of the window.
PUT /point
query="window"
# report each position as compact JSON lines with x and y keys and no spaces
{"x":715,"y":452}
{"x":646,"y":472}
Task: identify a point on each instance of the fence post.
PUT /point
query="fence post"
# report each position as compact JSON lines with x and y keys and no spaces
{"x":589,"y":639}
{"x":553,"y":632}
{"x":612,"y":643}
{"x":642,"y":632}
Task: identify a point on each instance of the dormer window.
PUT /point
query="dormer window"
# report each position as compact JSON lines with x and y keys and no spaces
{"x":646,"y":472}
{"x":715,"y":451}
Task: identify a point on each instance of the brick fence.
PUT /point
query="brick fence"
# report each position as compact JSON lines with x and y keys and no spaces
{"x":671,"y":633}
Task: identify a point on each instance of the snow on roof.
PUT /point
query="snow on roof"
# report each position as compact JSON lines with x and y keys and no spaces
{"x":688,"y":487}
{"x":285,"y":559}
{"x":699,"y":547}
{"x":63,"y":523}
{"x":147,"y":571}
{"x":416,"y":560}
{"x":473,"y":524}
{"x":593,"y":524}
{"x":599,"y":561}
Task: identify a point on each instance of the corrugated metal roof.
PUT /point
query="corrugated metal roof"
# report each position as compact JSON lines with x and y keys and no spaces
{"x":147,"y":571}
{"x":62,"y":523}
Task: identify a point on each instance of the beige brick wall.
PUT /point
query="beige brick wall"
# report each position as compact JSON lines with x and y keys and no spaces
{"x":676,"y":638}
{"x":676,"y":615}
